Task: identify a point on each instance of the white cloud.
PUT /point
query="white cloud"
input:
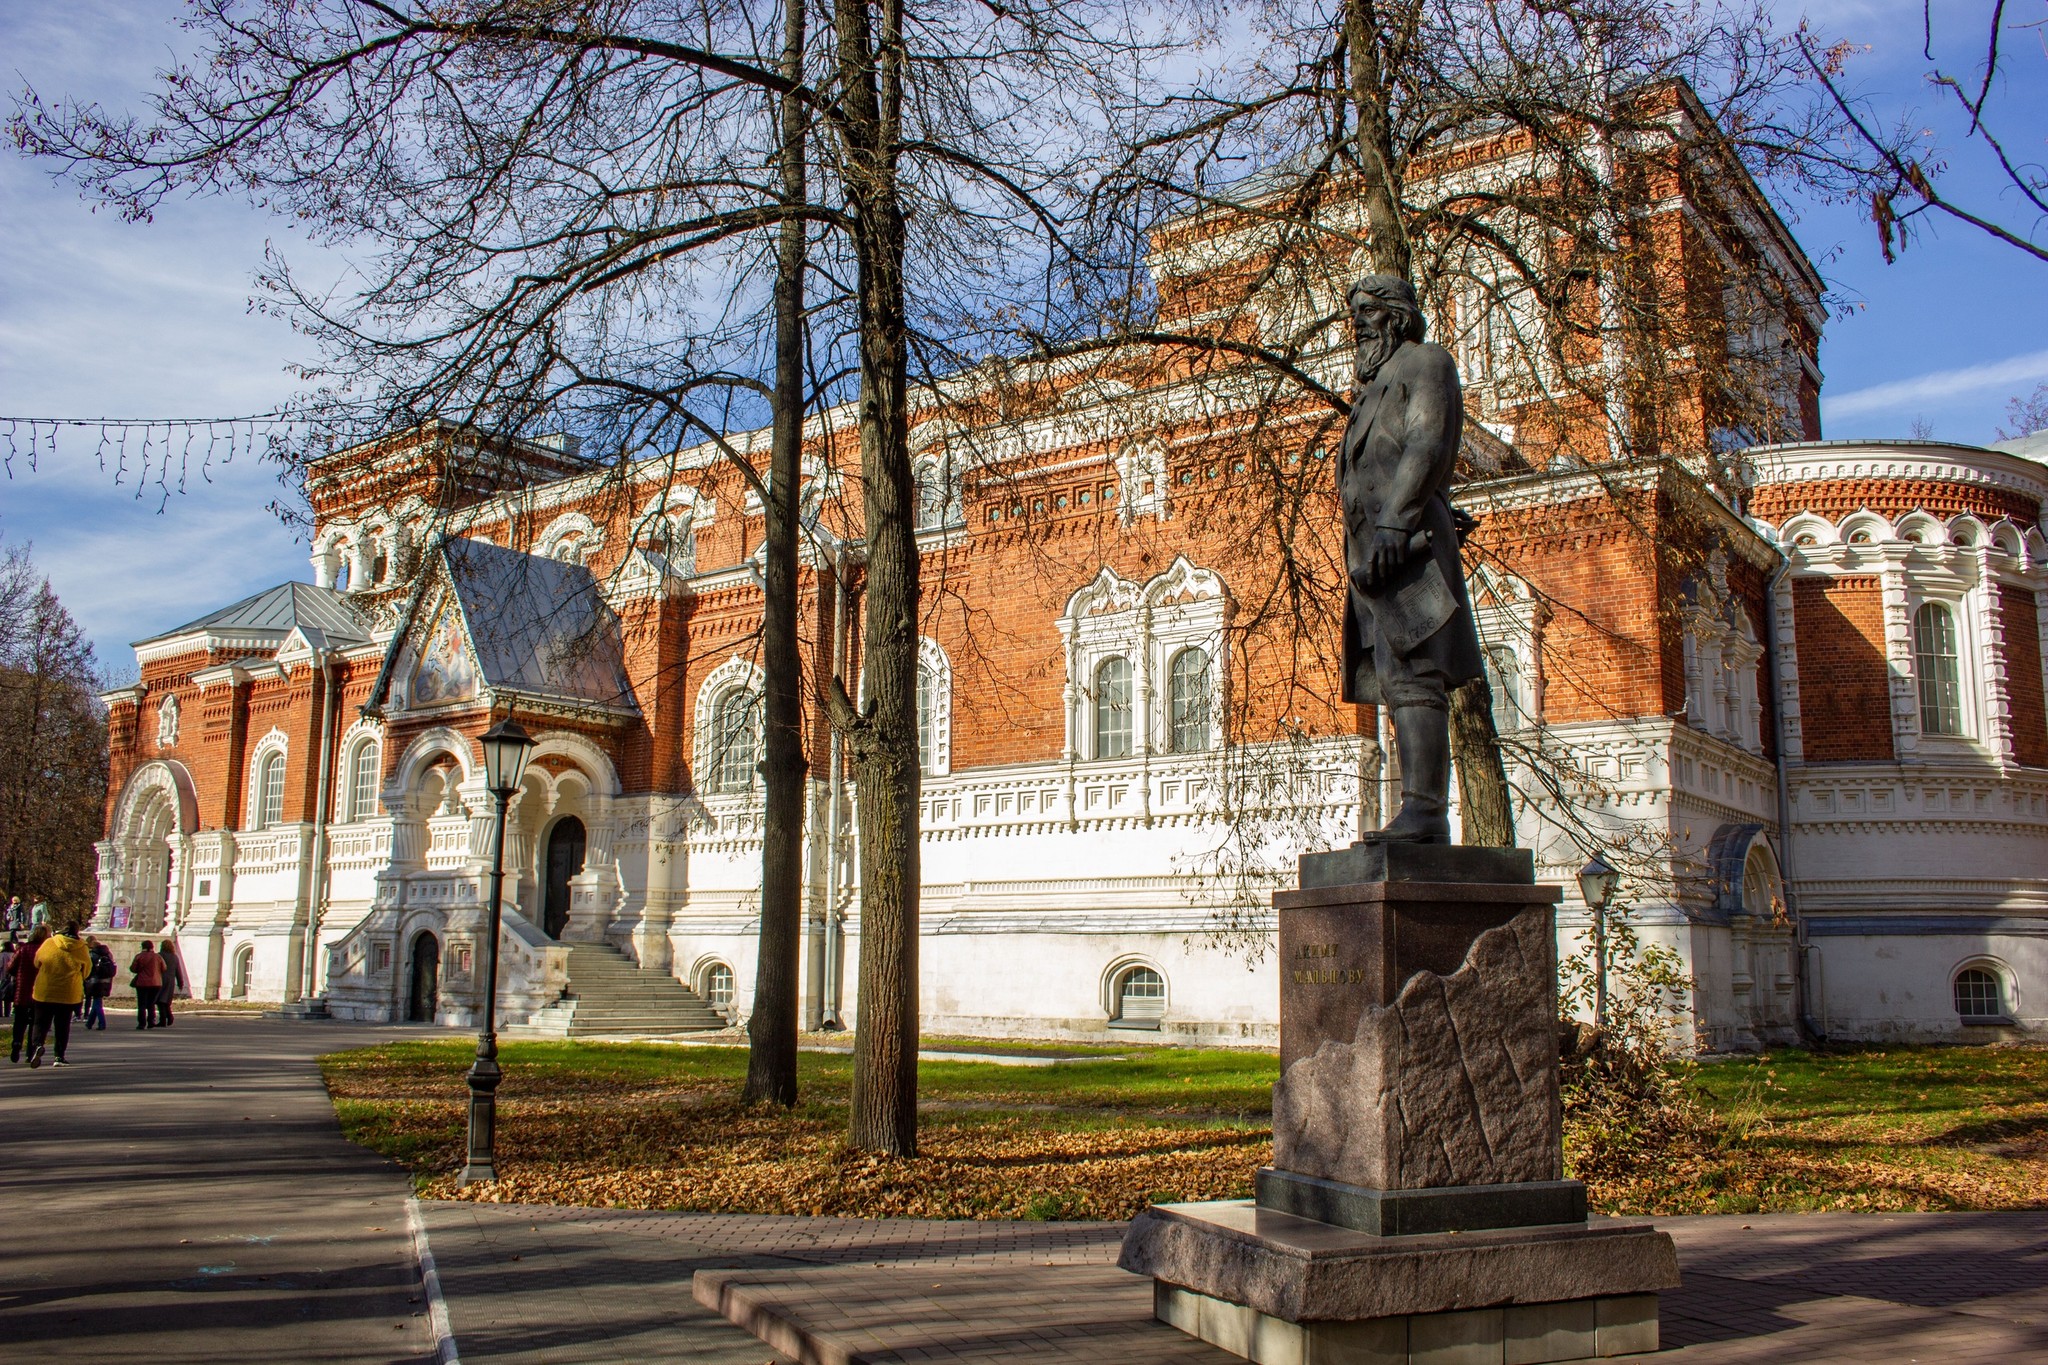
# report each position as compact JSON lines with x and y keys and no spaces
{"x":1938,"y":386}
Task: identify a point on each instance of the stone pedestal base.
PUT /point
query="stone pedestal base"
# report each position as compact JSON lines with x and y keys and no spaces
{"x":1276,"y":1288}
{"x":1520,"y":1334}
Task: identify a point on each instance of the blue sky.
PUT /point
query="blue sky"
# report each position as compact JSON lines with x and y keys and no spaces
{"x":100,"y":317}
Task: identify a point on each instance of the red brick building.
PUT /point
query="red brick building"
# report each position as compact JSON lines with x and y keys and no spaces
{"x":1826,"y":665}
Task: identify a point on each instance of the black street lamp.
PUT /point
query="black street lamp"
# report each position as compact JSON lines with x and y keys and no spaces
{"x":505,"y":748}
{"x":1597,"y":881}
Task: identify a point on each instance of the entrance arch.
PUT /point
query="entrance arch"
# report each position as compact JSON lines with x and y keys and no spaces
{"x":423,"y":989}
{"x":157,"y":811}
{"x":566,"y":842}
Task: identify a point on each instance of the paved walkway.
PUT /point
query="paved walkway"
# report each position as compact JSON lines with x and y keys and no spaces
{"x":185,"y":1195}
{"x":188,"y":1196}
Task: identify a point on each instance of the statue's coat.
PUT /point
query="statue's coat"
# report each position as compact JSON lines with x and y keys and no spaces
{"x":1399,"y":452}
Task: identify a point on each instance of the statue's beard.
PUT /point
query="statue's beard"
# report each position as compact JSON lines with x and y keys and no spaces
{"x":1373,"y":354}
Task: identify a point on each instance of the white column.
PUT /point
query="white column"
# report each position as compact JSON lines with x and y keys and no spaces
{"x":1785,"y":643}
{"x":1898,"y":652}
{"x":1997,"y":691}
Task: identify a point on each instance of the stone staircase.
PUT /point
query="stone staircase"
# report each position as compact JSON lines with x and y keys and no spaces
{"x":610,"y":997}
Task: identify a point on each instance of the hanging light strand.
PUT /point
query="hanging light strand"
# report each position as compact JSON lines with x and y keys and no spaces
{"x":173,"y":449}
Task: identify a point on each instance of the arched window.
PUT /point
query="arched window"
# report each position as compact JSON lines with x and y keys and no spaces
{"x":1139,"y":999}
{"x":1113,"y":708}
{"x":1504,"y":676}
{"x":1188,"y":701}
{"x":380,"y":566}
{"x":363,"y":771}
{"x":1939,"y":663}
{"x":1979,"y":994}
{"x":270,"y":792}
{"x":934,"y":496}
{"x":927,"y":720}
{"x":735,"y":741}
{"x":716,"y":984}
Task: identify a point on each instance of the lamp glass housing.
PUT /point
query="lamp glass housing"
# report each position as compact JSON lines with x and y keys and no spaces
{"x":1597,"y":881}
{"x":506,"y":746}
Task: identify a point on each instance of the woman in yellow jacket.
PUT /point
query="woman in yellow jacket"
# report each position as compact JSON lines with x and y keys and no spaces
{"x":62,"y":964}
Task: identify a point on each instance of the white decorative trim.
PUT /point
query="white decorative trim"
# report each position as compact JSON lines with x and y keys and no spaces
{"x":572,"y":531}
{"x":932,"y":661}
{"x":167,"y":722}
{"x":734,"y":674}
{"x":276,"y":742}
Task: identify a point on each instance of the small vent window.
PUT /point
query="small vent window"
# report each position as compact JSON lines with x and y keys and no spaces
{"x":1140,"y":999}
{"x":1979,"y":994}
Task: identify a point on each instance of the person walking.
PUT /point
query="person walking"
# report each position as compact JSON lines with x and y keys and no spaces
{"x":62,"y":964}
{"x":98,"y":984}
{"x":22,"y":971}
{"x":173,"y":982}
{"x":7,"y":953}
{"x":149,"y":975}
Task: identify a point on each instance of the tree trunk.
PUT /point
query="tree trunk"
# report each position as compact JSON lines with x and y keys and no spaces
{"x":884,"y":734}
{"x":772,"y":1029}
{"x":1486,"y":818}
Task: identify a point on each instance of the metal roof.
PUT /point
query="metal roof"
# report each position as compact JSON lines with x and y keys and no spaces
{"x":277,"y":611}
{"x":539,"y":626}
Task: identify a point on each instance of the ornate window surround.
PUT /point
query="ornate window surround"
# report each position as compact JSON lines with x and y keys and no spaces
{"x":932,"y":662}
{"x":274,"y":744}
{"x":364,"y":733}
{"x":1150,"y":623}
{"x":571,"y":530}
{"x":733,"y":675}
{"x":167,"y":722}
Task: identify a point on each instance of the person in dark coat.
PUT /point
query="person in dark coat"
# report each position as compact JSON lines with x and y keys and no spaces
{"x":98,"y":983}
{"x":1409,"y":635}
{"x":174,"y":981}
{"x":23,"y":970}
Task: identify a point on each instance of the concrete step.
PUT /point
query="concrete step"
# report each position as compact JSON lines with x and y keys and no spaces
{"x":609,"y":995}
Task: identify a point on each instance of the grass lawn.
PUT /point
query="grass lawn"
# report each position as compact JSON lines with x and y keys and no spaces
{"x":648,"y":1126}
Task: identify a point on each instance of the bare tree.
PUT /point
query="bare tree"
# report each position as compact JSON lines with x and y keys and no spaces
{"x":1893,"y":161}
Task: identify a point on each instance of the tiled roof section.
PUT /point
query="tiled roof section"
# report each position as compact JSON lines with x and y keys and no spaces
{"x":277,"y":611}
{"x":540,"y":626}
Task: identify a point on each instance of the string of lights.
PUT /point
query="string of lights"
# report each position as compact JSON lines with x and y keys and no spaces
{"x":154,"y":453}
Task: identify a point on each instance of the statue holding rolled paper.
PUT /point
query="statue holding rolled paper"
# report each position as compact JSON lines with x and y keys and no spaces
{"x":1409,"y":636}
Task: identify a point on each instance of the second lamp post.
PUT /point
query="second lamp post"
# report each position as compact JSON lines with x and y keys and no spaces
{"x":506,"y":746}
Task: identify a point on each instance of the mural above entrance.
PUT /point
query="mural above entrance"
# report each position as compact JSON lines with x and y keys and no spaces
{"x":445,"y":674}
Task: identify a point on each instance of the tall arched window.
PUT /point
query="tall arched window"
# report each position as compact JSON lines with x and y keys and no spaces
{"x":363,"y":768}
{"x":1504,"y":676}
{"x":270,"y":792}
{"x":927,"y":720}
{"x":1113,"y":708}
{"x":1188,"y":701}
{"x":1938,"y":661}
{"x":736,"y":741}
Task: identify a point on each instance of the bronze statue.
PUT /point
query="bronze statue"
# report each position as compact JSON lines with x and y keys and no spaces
{"x":1409,"y":636}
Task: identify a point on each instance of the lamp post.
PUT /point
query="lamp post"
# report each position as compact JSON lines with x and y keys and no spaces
{"x":505,"y":748}
{"x":1597,"y":881}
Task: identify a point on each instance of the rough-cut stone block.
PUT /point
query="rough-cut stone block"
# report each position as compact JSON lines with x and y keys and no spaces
{"x":1625,"y":1325}
{"x":1417,"y":863}
{"x":1470,"y":1338}
{"x":1303,"y":1271}
{"x":1397,"y":1213}
{"x":1454,"y":1083}
{"x":1538,"y":1333}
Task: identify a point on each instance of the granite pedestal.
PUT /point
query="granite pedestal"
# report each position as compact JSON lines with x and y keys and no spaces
{"x":1416,"y":1198}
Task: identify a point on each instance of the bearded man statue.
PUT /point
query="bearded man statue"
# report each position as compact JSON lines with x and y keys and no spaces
{"x":1409,"y":636}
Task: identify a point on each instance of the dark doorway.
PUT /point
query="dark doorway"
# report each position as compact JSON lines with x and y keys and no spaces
{"x":565,"y":860}
{"x":423,"y":999}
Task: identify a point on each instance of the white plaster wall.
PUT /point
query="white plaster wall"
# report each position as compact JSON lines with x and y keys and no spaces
{"x":1897,"y":987}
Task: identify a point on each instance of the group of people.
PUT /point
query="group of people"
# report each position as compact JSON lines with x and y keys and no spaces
{"x":52,"y":977}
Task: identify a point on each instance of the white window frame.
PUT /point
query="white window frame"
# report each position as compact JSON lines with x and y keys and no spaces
{"x":734,"y":675}
{"x":355,"y":807}
{"x":935,"y":730}
{"x":1964,"y":603}
{"x":1148,"y":624}
{"x":274,"y":745}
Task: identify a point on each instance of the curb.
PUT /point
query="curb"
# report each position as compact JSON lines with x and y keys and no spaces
{"x":430,"y":1281}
